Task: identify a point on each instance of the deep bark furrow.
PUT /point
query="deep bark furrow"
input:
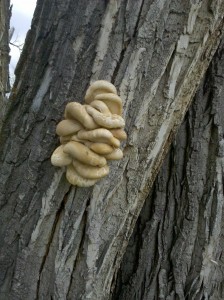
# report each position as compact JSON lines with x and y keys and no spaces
{"x":190,"y":189}
{"x":52,"y":234}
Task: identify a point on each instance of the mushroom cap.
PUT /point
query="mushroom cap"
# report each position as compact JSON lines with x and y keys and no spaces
{"x":59,"y":158}
{"x":101,"y":107}
{"x":90,"y":172}
{"x":67,"y":127}
{"x":75,"y":110}
{"x":99,"y":87}
{"x":107,"y":121}
{"x":76,"y":139}
{"x":115,"y":155}
{"x":113,"y":102}
{"x":84,"y":154}
{"x":75,"y":179}
{"x":99,"y":135}
{"x":101,"y":148}
{"x":120,"y":134}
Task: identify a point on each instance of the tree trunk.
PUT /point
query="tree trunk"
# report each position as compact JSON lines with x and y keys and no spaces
{"x":63,"y":242}
{"x":176,"y":249}
{"x":4,"y":55}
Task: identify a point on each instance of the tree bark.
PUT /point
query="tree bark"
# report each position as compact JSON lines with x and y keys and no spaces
{"x":62,"y":242}
{"x":4,"y":55}
{"x":176,"y":249}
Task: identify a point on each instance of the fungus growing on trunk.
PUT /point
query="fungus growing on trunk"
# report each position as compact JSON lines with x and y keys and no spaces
{"x":101,"y":148}
{"x":113,"y":121}
{"x":99,"y":87}
{"x":67,"y":127}
{"x":100,"y":135}
{"x":82,"y":153}
{"x":113,"y":102}
{"x":90,"y":135}
{"x":59,"y":158}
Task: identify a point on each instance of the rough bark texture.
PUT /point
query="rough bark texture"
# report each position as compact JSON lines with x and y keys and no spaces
{"x":176,"y":250}
{"x":4,"y":54}
{"x":62,"y":242}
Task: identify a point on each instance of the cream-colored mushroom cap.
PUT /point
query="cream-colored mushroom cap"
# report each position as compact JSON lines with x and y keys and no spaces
{"x":113,"y":102}
{"x":101,"y":148}
{"x":106,"y":121}
{"x":78,"y":112}
{"x":76,"y":139}
{"x":99,"y":87}
{"x":120,"y":134}
{"x":67,"y":127}
{"x":101,"y":107}
{"x":115,"y":155}
{"x":84,"y":154}
{"x":59,"y":158}
{"x":90,"y":172}
{"x":100,"y":135}
{"x":75,"y":179}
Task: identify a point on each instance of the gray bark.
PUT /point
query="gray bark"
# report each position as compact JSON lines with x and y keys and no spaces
{"x":4,"y":55}
{"x":176,"y":250}
{"x":62,"y":242}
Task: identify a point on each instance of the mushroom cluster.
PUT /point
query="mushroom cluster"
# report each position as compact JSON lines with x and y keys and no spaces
{"x":90,"y":135}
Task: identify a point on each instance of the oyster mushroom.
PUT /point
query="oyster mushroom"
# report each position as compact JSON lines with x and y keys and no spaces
{"x":99,"y":87}
{"x":75,"y":179}
{"x":111,"y":121}
{"x":113,"y":102}
{"x":120,"y":134}
{"x":115,"y":155}
{"x":101,"y":107}
{"x":90,"y":172}
{"x":90,"y":135}
{"x":82,"y":153}
{"x":100,"y":135}
{"x":59,"y":158}
{"x":78,"y":112}
{"x":101,"y":148}
{"x":67,"y":127}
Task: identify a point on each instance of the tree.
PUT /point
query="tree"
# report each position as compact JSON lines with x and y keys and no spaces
{"x":62,"y":242}
{"x":176,"y":249}
{"x":4,"y":54}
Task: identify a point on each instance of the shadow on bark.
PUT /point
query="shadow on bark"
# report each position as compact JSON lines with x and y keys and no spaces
{"x":175,"y":251}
